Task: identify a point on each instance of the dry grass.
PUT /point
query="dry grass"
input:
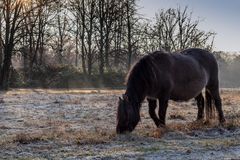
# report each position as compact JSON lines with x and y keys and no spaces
{"x":213,"y":143}
{"x":230,"y":96}
{"x":60,"y":134}
{"x":65,"y":91}
{"x":230,"y":124}
{"x":176,"y":116}
{"x":3,"y":127}
{"x":23,"y":138}
{"x":98,"y":137}
{"x":60,"y":130}
{"x":26,"y":138}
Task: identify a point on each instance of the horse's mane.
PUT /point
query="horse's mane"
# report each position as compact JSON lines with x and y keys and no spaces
{"x":141,"y":74}
{"x":137,"y":65}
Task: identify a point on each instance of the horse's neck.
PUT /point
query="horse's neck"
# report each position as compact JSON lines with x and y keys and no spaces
{"x":136,"y":96}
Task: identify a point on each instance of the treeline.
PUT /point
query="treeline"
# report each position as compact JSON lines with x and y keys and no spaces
{"x":92,"y":37}
{"x":229,"y":66}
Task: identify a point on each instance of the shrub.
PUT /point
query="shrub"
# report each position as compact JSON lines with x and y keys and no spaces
{"x":63,"y":76}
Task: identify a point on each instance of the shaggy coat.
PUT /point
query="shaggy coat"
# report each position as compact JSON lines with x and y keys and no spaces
{"x":164,"y":76}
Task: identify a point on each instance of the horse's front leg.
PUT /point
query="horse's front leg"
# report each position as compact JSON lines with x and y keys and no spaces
{"x":152,"y":104}
{"x":163,"y":104}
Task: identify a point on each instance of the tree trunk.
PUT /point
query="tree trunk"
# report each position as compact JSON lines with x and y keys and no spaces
{"x":107,"y":53}
{"x":101,"y":56}
{"x":1,"y":46}
{"x":25,"y":62}
{"x":76,"y":43}
{"x":83,"y":59}
{"x":5,"y":71}
{"x":129,"y":36}
{"x":89,"y":63}
{"x":41,"y":50}
{"x":82,"y":39}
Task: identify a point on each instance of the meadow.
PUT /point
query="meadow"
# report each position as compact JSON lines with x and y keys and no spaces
{"x":80,"y":124}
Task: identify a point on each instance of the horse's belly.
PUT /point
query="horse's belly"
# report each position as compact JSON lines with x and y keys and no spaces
{"x":187,"y":91}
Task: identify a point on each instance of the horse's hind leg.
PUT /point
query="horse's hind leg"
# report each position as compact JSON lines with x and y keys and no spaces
{"x":200,"y":105}
{"x":209,"y":106}
{"x":152,"y":103}
{"x":218,"y":103}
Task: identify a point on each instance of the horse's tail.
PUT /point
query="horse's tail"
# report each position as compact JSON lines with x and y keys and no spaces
{"x":209,"y":109}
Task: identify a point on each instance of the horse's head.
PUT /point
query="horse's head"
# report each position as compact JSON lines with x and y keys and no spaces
{"x":128,"y":115}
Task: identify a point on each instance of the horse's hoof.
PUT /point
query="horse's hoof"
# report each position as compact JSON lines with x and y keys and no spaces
{"x":222,"y":120}
{"x":206,"y":122}
{"x":199,"y":120}
{"x":161,"y":126}
{"x":160,"y":131}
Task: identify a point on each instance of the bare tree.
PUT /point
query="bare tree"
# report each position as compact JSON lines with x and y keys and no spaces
{"x":21,"y":26}
{"x":97,"y":37}
{"x":78,"y":10}
{"x":111,"y":16}
{"x":129,"y":15}
{"x":101,"y":17}
{"x":62,"y":27}
{"x":33,"y":34}
{"x":1,"y":46}
{"x":175,"y":30}
{"x":12,"y":18}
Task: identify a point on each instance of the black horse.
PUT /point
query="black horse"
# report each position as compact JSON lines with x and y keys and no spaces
{"x":164,"y":76}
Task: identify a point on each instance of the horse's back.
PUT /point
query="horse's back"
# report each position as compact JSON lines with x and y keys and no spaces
{"x":193,"y":69}
{"x":184,"y":74}
{"x":204,"y":58}
{"x":207,"y":61}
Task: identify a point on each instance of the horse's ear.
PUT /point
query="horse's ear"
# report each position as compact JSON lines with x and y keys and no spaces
{"x":120,"y":99}
{"x":125,"y":97}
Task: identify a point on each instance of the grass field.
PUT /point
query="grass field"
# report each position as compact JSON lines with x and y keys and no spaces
{"x":80,"y":124}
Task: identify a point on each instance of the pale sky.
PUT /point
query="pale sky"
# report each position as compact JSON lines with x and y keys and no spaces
{"x":220,"y":16}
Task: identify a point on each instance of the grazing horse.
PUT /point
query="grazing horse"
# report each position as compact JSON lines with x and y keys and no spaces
{"x":169,"y":76}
